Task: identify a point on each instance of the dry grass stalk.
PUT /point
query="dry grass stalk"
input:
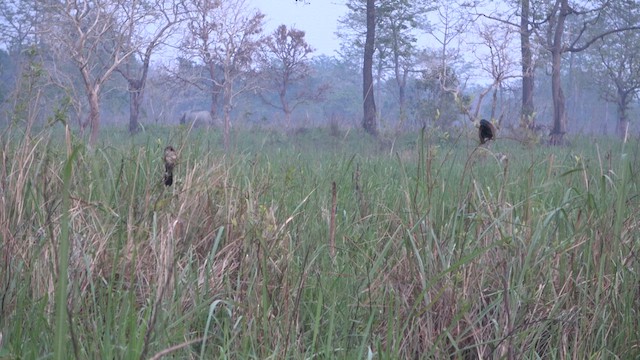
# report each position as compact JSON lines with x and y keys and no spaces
{"x":362,"y":202}
{"x":332,"y":221}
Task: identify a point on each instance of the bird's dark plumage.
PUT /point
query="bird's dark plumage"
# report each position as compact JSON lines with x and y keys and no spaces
{"x":170,"y":158}
{"x":487,"y":131}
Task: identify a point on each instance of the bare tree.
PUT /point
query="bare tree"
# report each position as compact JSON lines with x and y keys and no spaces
{"x":522,"y":10}
{"x":95,"y":35}
{"x":286,"y":65}
{"x":369,"y":122}
{"x":19,"y":36}
{"x":360,"y":23}
{"x":437,"y":105}
{"x":389,"y":29}
{"x":201,"y":42}
{"x":452,"y":21}
{"x":155,"y":24}
{"x":18,"y":24}
{"x":527,"y":112}
{"x":398,"y":21}
{"x":448,"y":30}
{"x":618,"y":58}
{"x":226,"y":37}
{"x":498,"y":63}
{"x":557,"y":41}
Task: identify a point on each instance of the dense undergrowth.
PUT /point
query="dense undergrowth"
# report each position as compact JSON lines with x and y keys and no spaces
{"x":317,"y":244}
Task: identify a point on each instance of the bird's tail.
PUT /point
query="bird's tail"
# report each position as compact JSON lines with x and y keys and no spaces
{"x":168,"y":175}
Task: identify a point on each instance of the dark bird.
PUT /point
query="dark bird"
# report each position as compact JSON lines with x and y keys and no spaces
{"x":487,"y":131}
{"x":170,"y":158}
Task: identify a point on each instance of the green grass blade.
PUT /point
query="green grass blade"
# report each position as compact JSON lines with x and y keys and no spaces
{"x":61,"y":320}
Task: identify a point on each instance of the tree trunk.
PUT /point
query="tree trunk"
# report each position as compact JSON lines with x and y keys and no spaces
{"x":623,"y":128}
{"x":369,"y":105}
{"x":93,"y":97}
{"x":215,"y":90}
{"x":135,"y":101}
{"x":285,"y":108}
{"x":559,"y":115}
{"x":527,"y":111}
{"x":226,"y":114}
{"x":214,"y":106}
{"x":94,"y":116}
{"x":136,"y":93}
{"x":401,"y":99}
{"x":494,"y":102}
{"x":623,"y":120}
{"x":227,"y":128}
{"x":401,"y":80}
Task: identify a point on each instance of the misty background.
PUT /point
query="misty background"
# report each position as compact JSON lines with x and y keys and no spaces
{"x":437,"y":64}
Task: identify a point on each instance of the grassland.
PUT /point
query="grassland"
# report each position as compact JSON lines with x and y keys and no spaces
{"x":320,"y":244}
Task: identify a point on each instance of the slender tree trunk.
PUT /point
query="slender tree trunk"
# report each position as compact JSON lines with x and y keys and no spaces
{"x":369,"y":105}
{"x":214,"y":108}
{"x":494,"y":102}
{"x":94,"y":116}
{"x":377,"y":80}
{"x":559,"y":112}
{"x":402,"y":99}
{"x":402,"y":104}
{"x":401,"y":81}
{"x":559,"y":115}
{"x":215,"y":90}
{"x":93,"y":97}
{"x":226,"y":114}
{"x":136,"y":92}
{"x":285,"y":108}
{"x":527,"y":111}
{"x":135,"y":102}
{"x":227,"y":127}
{"x":623,"y":128}
{"x":623,"y":119}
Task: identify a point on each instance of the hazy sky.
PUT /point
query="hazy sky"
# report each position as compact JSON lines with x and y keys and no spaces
{"x":318,"y":18}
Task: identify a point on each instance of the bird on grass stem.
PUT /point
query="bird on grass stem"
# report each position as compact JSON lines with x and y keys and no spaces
{"x":170,"y":158}
{"x":486,"y":130}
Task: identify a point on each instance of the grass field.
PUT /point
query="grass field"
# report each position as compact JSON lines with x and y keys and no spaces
{"x":317,"y":245}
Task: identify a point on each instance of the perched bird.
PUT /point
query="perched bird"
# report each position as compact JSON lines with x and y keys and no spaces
{"x":486,"y":130}
{"x":170,"y":158}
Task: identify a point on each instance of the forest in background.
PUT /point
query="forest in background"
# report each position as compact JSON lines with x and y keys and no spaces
{"x":139,"y":64}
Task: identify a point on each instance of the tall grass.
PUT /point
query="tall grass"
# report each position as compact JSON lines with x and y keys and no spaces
{"x":317,"y":245}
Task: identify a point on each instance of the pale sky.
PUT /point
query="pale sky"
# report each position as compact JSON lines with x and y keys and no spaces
{"x":318,"y":18}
